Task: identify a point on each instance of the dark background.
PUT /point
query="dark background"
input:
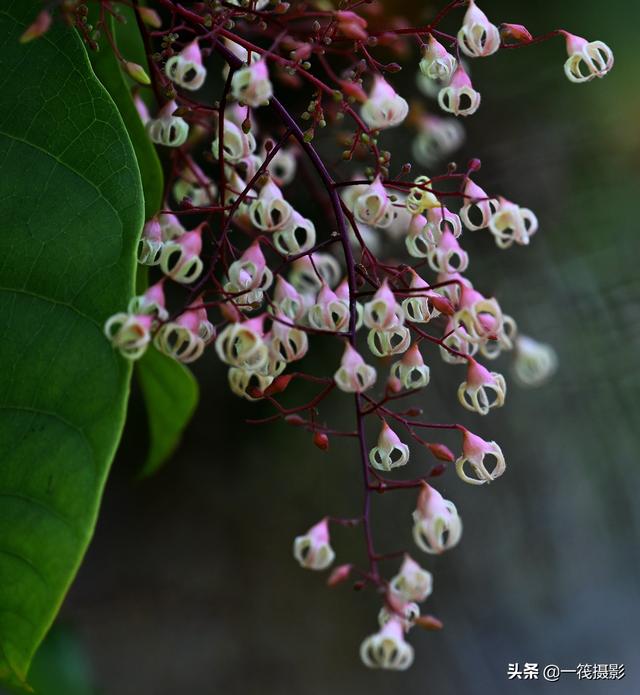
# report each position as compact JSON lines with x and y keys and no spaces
{"x":190,"y":586}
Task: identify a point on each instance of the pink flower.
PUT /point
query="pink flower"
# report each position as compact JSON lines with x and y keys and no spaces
{"x":437,"y":526}
{"x":387,"y":648}
{"x":477,"y":36}
{"x":180,"y":259}
{"x":474,"y":393}
{"x":383,"y":313}
{"x":412,"y":582}
{"x":251,"y":85}
{"x":411,"y":370}
{"x":511,"y":224}
{"x":390,"y":452}
{"x":354,"y":376}
{"x":478,"y":204}
{"x":459,"y":98}
{"x":437,"y":63}
{"x":186,"y":68}
{"x":586,"y":60}
{"x":448,"y":256}
{"x":312,"y":550}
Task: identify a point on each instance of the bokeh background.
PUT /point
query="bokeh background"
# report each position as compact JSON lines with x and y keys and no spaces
{"x":189,"y":585}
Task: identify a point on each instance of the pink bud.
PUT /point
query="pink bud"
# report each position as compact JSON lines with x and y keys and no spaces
{"x":339,"y":575}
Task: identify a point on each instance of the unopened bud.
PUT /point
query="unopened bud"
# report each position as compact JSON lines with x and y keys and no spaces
{"x":441,"y":452}
{"x":429,"y":622}
{"x":321,"y":440}
{"x":150,"y":17}
{"x":137,"y":72}
{"x":339,"y":575}
{"x":516,"y":32}
{"x":39,"y":27}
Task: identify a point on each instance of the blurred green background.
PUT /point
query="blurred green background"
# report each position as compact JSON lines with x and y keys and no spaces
{"x":190,"y":586}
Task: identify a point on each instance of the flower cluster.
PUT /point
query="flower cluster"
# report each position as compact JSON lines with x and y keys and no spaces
{"x":288,"y":249}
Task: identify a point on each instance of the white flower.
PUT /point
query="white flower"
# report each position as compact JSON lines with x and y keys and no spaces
{"x":437,"y":525}
{"x":459,"y":98}
{"x":299,"y":236}
{"x":251,"y":85}
{"x":437,"y":63}
{"x":237,"y":146}
{"x":242,"y":345}
{"x":474,"y":393}
{"x":129,"y":333}
{"x":412,"y":582}
{"x":186,"y":68}
{"x":534,"y":363}
{"x":384,"y":108}
{"x":586,"y":60}
{"x":180,"y":259}
{"x":353,"y":375}
{"x":390,"y":451}
{"x":270,"y":212}
{"x":372,"y":206}
{"x":512,"y":224}
{"x":476,"y":451}
{"x":312,"y":550}
{"x":477,"y":36}
{"x":247,"y":384}
{"x":478,"y":206}
{"x":411,"y":369}
{"x":387,"y":648}
{"x":167,"y":129}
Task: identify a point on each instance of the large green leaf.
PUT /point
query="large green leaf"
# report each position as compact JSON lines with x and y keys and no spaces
{"x":71,"y":209}
{"x":171,"y":394}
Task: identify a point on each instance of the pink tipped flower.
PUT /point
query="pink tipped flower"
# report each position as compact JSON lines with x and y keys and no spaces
{"x":390,"y":451}
{"x":287,"y":343}
{"x":186,"y":68}
{"x":238,"y":145}
{"x":384,"y":108}
{"x":419,"y":307}
{"x":152,"y":302}
{"x":477,"y":36}
{"x":270,"y":212}
{"x":459,"y":98}
{"x":354,"y":376}
{"x":511,"y":224}
{"x":373,"y":206}
{"x":478,"y":208}
{"x":167,"y":129}
{"x":411,"y":370}
{"x":171,"y":226}
{"x":251,"y":85}
{"x":448,"y":256}
{"x":387,"y":648}
{"x":242,"y":345}
{"x":151,"y":243}
{"x":309,"y":272}
{"x":437,"y":63}
{"x":129,"y":333}
{"x":142,"y":109}
{"x":475,"y":452}
{"x":383,"y":313}
{"x":475,"y":393}
{"x":312,"y":550}
{"x":248,"y":277}
{"x":398,"y":608}
{"x":437,"y":525}
{"x":288,"y":300}
{"x":299,"y":236}
{"x":180,"y":258}
{"x":185,"y":338}
{"x":442,"y":220}
{"x":587,"y":59}
{"x":412,"y":583}
{"x":329,"y":313}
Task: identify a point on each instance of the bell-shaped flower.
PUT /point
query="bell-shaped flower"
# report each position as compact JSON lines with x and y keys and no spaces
{"x":476,"y":452}
{"x":421,"y":196}
{"x":437,"y":525}
{"x":167,"y":129}
{"x":248,"y":384}
{"x":180,"y":259}
{"x":478,"y":208}
{"x":353,"y":375}
{"x":186,"y":68}
{"x":390,"y":452}
{"x":448,"y":256}
{"x":451,"y":285}
{"x":237,"y":145}
{"x":481,"y":316}
{"x":270,"y":212}
{"x":151,"y":302}
{"x":283,"y":165}
{"x":437,"y":139}
{"x":419,"y":241}
{"x":387,"y":343}
{"x":249,"y":276}
{"x":373,"y":206}
{"x":384,"y":108}
{"x":482,"y":389}
{"x":171,"y":226}
{"x":419,"y":307}
{"x":459,"y":97}
{"x":151,"y":243}
{"x":251,"y":85}
{"x":287,"y":300}
{"x":411,"y":370}
{"x":185,"y":338}
{"x":534,"y":362}
{"x":383,"y":313}
{"x":437,"y":63}
{"x":512,"y":224}
{"x":442,"y":220}
{"x":477,"y":36}
{"x":412,"y":582}
{"x":587,"y":59}
{"x":457,"y":338}
{"x":129,"y":333}
{"x":242,"y":344}
{"x":502,"y":341}
{"x":313,"y":549}
{"x":329,"y":313}
{"x":387,"y":648}
{"x":309,"y":272}
{"x":299,"y":236}
{"x":287,"y":343}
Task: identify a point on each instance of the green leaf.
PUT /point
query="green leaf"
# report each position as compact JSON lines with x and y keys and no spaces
{"x":170,"y":392}
{"x":71,"y":209}
{"x":108,"y":70}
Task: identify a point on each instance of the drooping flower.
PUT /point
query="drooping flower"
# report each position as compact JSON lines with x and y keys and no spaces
{"x":353,"y":375}
{"x":180,"y":259}
{"x":270,"y":212}
{"x":251,"y":85}
{"x":478,"y":37}
{"x":248,"y":277}
{"x":437,"y":138}
{"x":237,"y":145}
{"x":511,"y":224}
{"x":534,"y":362}
{"x":389,"y":452}
{"x":186,"y":68}
{"x":299,"y":236}
{"x":287,"y":343}
{"x":474,"y":393}
{"x":167,"y":129}
{"x":411,"y":369}
{"x":129,"y":333}
{"x":459,"y":97}
{"x":437,"y":525}
{"x":448,"y":256}
{"x":287,"y":300}
{"x":419,"y":307}
{"x":309,"y":272}
{"x":384,"y":108}
{"x":476,"y":452}
{"x":412,"y":582}
{"x":312,"y":550}
{"x":151,"y":302}
{"x":373,"y":206}
{"x":383,"y":313}
{"x":329,"y":312}
{"x":242,"y":344}
{"x":437,"y":63}
{"x":478,"y":208}
{"x":587,"y":59}
{"x":387,"y":648}
{"x":185,"y":338}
